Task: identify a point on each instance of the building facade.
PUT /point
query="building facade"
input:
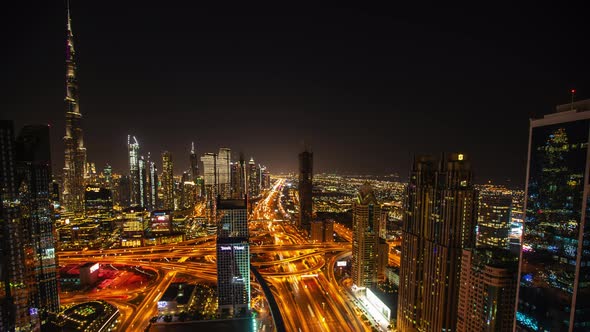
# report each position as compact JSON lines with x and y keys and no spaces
{"x":75,"y":152}
{"x":233,"y":258}
{"x":439,"y":222}
{"x":366,"y":213}
{"x":133,"y":154}
{"x":305,"y":189}
{"x":493,"y":219}
{"x":167,"y":181}
{"x":554,"y":287}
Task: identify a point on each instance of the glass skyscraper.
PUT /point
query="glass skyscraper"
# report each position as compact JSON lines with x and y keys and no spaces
{"x":554,"y":288}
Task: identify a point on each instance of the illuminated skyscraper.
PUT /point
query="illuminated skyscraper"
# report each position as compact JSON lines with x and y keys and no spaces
{"x":143,"y":186}
{"x":554,"y":287}
{"x":253,"y":179}
{"x":133,"y":148}
{"x":194,"y":163}
{"x":223,"y":173}
{"x":493,"y":219}
{"x":75,"y":152}
{"x":439,"y":222}
{"x":305,"y":189}
{"x":366,"y":214}
{"x":233,"y":258}
{"x":152,"y":184}
{"x":34,"y":179}
{"x":168,"y":180}
{"x":210,"y":174}
{"x":487,"y":290}
{"x":14,"y":293}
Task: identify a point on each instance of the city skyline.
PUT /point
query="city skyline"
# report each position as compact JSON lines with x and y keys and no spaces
{"x":329,"y":64}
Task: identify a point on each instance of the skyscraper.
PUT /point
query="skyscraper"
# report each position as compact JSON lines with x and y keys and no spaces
{"x":493,"y":219}
{"x":223,"y":173}
{"x":210,"y":174}
{"x":168,"y":180}
{"x":34,"y":179}
{"x":305,"y":189}
{"x":133,"y":149}
{"x":554,"y":287}
{"x":194,"y":163}
{"x":439,"y":222}
{"x":366,"y":214}
{"x":14,"y":293}
{"x":75,"y":152}
{"x":487,"y":290}
{"x":143,"y":186}
{"x":233,"y":258}
{"x":253,"y":179}
{"x":152,"y":184}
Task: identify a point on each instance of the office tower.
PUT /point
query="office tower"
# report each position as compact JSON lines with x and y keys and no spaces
{"x":223,"y":173}
{"x":153,"y":184}
{"x":133,"y":149}
{"x":14,"y":293}
{"x":493,"y":219}
{"x":210,"y":174}
{"x":34,"y":180}
{"x":238,"y":178}
{"x":554,"y":287}
{"x":108,"y":176}
{"x":98,"y":201}
{"x":439,"y":222}
{"x":122,"y":191}
{"x":167,"y":180}
{"x":143,"y":186}
{"x":75,"y":152}
{"x":233,"y":258}
{"x":305,"y":189}
{"x":253,"y":179}
{"x":322,"y":230}
{"x":366,"y":213}
{"x":264,"y":178}
{"x":487,"y":290}
{"x":194,"y":163}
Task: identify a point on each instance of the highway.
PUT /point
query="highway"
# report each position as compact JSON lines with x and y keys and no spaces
{"x":300,"y":274}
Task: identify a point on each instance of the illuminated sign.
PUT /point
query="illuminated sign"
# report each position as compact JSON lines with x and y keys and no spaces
{"x":161,"y":218}
{"x":239,"y":247}
{"x":94,"y":267}
{"x":341,"y":263}
{"x":94,"y":189}
{"x":460,"y":157}
{"x":225,"y":247}
{"x":162,"y":304}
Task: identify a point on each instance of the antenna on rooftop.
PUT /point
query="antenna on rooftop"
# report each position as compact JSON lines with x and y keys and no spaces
{"x":573,"y":92}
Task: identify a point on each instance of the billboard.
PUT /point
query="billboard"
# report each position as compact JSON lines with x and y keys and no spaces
{"x":160,"y":221}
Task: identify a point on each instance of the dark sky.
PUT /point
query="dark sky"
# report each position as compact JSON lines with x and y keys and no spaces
{"x":366,"y":87}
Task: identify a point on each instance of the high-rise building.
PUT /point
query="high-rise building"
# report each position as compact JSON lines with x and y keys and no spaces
{"x":264,"y":177}
{"x":210,"y":174}
{"x":194,"y":160}
{"x":168,"y":180}
{"x":152,"y":184}
{"x":75,"y":152}
{"x":322,"y":230}
{"x":493,"y":219}
{"x":108,"y":177}
{"x":14,"y":294}
{"x":134,"y":178}
{"x":233,"y":258}
{"x":253,"y":179}
{"x":305,"y":189}
{"x":366,"y":214}
{"x":33,"y":180}
{"x":223,"y":173}
{"x":439,"y":222}
{"x":143,"y":185}
{"x":554,"y":287}
{"x":487,"y":290}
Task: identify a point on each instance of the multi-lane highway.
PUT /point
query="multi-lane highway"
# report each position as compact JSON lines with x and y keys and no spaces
{"x":300,"y":274}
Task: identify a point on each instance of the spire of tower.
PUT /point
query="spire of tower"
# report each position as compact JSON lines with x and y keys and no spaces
{"x":69,"y":19}
{"x":192,"y":147}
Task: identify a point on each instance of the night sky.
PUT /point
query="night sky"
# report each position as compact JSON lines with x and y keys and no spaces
{"x":365,"y":87}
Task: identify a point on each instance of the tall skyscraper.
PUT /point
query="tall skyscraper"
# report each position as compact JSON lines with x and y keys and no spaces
{"x":143,"y":186}
{"x":75,"y":152}
{"x":34,"y":179}
{"x":133,"y":149}
{"x":233,"y":258}
{"x":168,"y":180}
{"x":14,"y":290}
{"x":194,"y":163}
{"x":210,"y":174}
{"x":554,"y":287}
{"x":366,"y":214}
{"x":253,"y":179}
{"x":152,"y":184}
{"x":493,"y":219}
{"x":439,"y":222}
{"x":305,"y":189}
{"x":487,"y":290}
{"x":223,"y":173}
